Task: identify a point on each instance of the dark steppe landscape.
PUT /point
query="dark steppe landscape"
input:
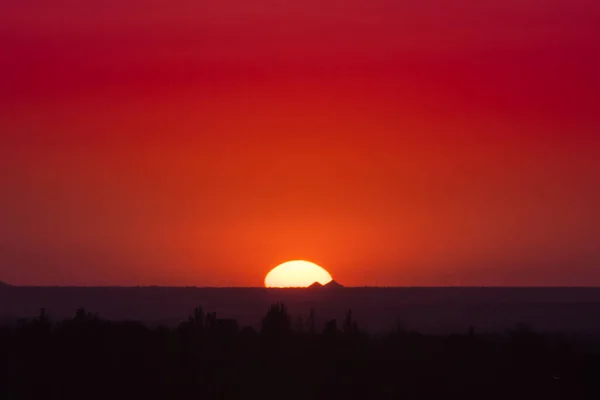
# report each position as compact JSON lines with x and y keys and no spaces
{"x":233,"y":343}
{"x":430,"y":310}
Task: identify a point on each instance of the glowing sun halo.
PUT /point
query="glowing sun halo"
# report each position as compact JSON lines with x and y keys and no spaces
{"x":297,"y":273}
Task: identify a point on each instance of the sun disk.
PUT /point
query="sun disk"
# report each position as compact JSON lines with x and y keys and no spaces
{"x":297,"y":274}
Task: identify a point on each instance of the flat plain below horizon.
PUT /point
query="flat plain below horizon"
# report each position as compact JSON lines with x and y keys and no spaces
{"x":377,"y":309}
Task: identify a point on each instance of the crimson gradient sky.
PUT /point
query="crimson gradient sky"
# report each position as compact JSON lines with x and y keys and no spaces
{"x":404,"y":142}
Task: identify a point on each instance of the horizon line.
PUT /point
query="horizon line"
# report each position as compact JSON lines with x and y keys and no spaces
{"x":302,"y":288}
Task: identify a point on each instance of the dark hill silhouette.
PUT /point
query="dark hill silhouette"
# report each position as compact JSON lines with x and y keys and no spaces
{"x":333,"y":285}
{"x":330,"y":285}
{"x":4,"y":284}
{"x":315,"y":285}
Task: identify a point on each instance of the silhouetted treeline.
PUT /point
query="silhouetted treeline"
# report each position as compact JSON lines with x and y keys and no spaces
{"x":210,"y":358}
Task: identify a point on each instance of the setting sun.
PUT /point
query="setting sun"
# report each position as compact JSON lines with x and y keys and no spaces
{"x":297,"y":273}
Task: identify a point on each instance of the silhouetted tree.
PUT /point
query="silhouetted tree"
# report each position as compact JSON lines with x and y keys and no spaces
{"x":312,"y":322}
{"x":197,"y":318}
{"x":350,"y":327}
{"x":211,"y":321}
{"x":276,"y":324}
{"x":331,"y":328}
{"x":471,"y":334}
{"x":81,"y":315}
{"x":299,"y":326}
{"x":42,"y":324}
{"x":195,"y":324}
{"x":400,"y":328}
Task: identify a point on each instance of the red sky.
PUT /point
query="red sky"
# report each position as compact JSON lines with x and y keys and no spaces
{"x":393,"y":142}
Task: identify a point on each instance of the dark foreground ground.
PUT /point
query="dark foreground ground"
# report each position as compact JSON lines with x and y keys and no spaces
{"x":85,"y":357}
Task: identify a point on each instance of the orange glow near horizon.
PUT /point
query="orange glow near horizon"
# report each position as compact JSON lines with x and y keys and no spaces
{"x":297,"y":274}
